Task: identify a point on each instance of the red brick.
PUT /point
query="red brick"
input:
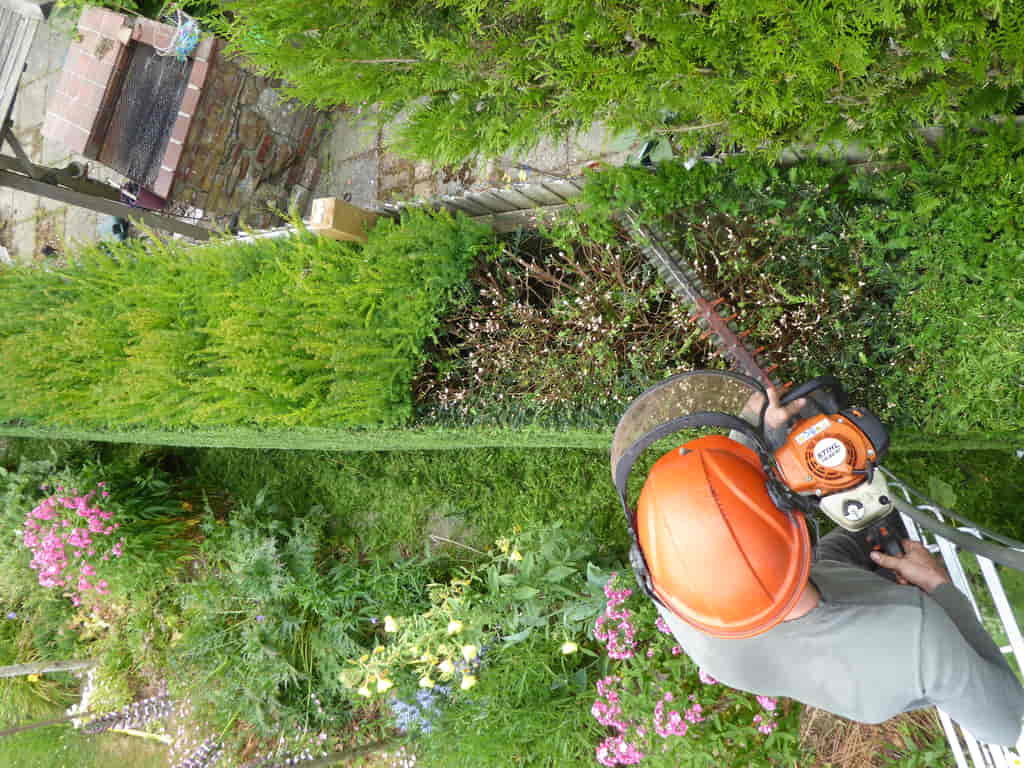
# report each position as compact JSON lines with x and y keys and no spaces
{"x":189,"y":101}
{"x":100,"y":70}
{"x":146,"y":32}
{"x":162,"y":36}
{"x":204,"y":51}
{"x":265,"y":145}
{"x":180,"y":130}
{"x":172,"y":155}
{"x":112,"y":23}
{"x":75,"y":138}
{"x":88,"y":41}
{"x":162,"y":186}
{"x":243,"y":168}
{"x":90,"y":94}
{"x":81,"y":115}
{"x":198,"y":74}
{"x":91,"y":19}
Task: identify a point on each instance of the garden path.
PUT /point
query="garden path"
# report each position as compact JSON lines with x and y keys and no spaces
{"x":29,"y":223}
{"x":356,"y":161}
{"x":353,"y":160}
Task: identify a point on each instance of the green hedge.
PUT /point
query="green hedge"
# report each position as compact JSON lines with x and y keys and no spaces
{"x":276,"y":333}
{"x":486,"y":75}
{"x":906,"y":283}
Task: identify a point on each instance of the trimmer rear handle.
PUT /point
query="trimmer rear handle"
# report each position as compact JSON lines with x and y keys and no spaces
{"x":831,"y":395}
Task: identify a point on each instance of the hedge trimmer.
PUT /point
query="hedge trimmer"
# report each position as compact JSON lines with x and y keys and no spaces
{"x":831,"y":459}
{"x":828,"y":461}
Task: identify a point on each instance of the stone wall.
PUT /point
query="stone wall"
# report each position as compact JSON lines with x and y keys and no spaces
{"x":249,"y":150}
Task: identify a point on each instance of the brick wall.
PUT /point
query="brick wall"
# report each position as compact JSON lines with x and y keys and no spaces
{"x":249,"y":150}
{"x":78,"y":113}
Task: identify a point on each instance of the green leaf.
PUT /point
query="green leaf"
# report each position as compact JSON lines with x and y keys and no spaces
{"x":524,"y":593}
{"x":559,"y":573}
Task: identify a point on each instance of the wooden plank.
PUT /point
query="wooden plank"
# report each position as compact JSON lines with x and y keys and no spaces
{"x":511,"y":221}
{"x":566,"y":190}
{"x":23,"y":8}
{"x":111,"y":207}
{"x":458,"y":204}
{"x":489,"y":200}
{"x":515,"y":197}
{"x":539,"y":195}
{"x":15,"y":64}
{"x":471,"y":206}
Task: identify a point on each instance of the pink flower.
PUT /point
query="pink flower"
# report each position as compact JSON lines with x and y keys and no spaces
{"x":767,"y":702}
{"x":102,"y":587}
{"x":706,"y":678}
{"x":674,"y":726}
{"x":767,"y":725}
{"x":83,"y":584}
{"x":88,"y":570}
{"x":662,"y":625}
{"x":676,"y":650}
{"x":617,"y":751}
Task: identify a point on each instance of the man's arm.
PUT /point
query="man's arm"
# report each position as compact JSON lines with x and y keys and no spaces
{"x":918,"y":567}
{"x":960,"y":675}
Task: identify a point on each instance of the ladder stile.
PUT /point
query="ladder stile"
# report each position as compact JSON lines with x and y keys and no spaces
{"x":1003,"y":608}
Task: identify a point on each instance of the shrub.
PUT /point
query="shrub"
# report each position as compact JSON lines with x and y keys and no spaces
{"x":294,"y":331}
{"x":906,"y":284}
{"x":477,"y":76}
{"x":272,"y":617}
{"x":565,"y":332}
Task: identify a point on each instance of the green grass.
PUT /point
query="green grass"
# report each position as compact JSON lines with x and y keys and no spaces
{"x":391,"y":501}
{"x":63,"y":747}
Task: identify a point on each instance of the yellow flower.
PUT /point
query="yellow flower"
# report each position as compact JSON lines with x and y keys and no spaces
{"x":426,"y":682}
{"x":390,"y":625}
{"x":468,"y":681}
{"x":378,"y":649}
{"x":364,"y":691}
{"x":569,"y":647}
{"x":33,"y":678}
{"x":364,"y":658}
{"x":383,"y":684}
{"x":515,"y":557}
{"x":446,"y":667}
{"x":454,"y":627}
{"x":469,"y":652}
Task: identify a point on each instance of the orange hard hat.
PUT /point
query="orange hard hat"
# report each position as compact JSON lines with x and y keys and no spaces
{"x":720,"y":554}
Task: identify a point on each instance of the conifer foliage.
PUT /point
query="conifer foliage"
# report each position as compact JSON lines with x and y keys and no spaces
{"x":297,"y":331}
{"x":490,"y":75}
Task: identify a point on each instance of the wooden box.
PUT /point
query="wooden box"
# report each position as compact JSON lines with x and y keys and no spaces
{"x":332,"y":217}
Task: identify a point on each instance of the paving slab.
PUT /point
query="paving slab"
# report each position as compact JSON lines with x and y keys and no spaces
{"x":81,"y":227}
{"x":23,"y":241}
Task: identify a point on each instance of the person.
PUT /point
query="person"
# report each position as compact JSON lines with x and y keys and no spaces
{"x":735,"y":579}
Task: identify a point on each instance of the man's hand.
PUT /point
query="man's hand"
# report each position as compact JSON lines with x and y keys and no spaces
{"x":775,"y":415}
{"x":916,"y":567}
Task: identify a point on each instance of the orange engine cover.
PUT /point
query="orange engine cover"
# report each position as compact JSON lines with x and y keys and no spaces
{"x":822,"y":454}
